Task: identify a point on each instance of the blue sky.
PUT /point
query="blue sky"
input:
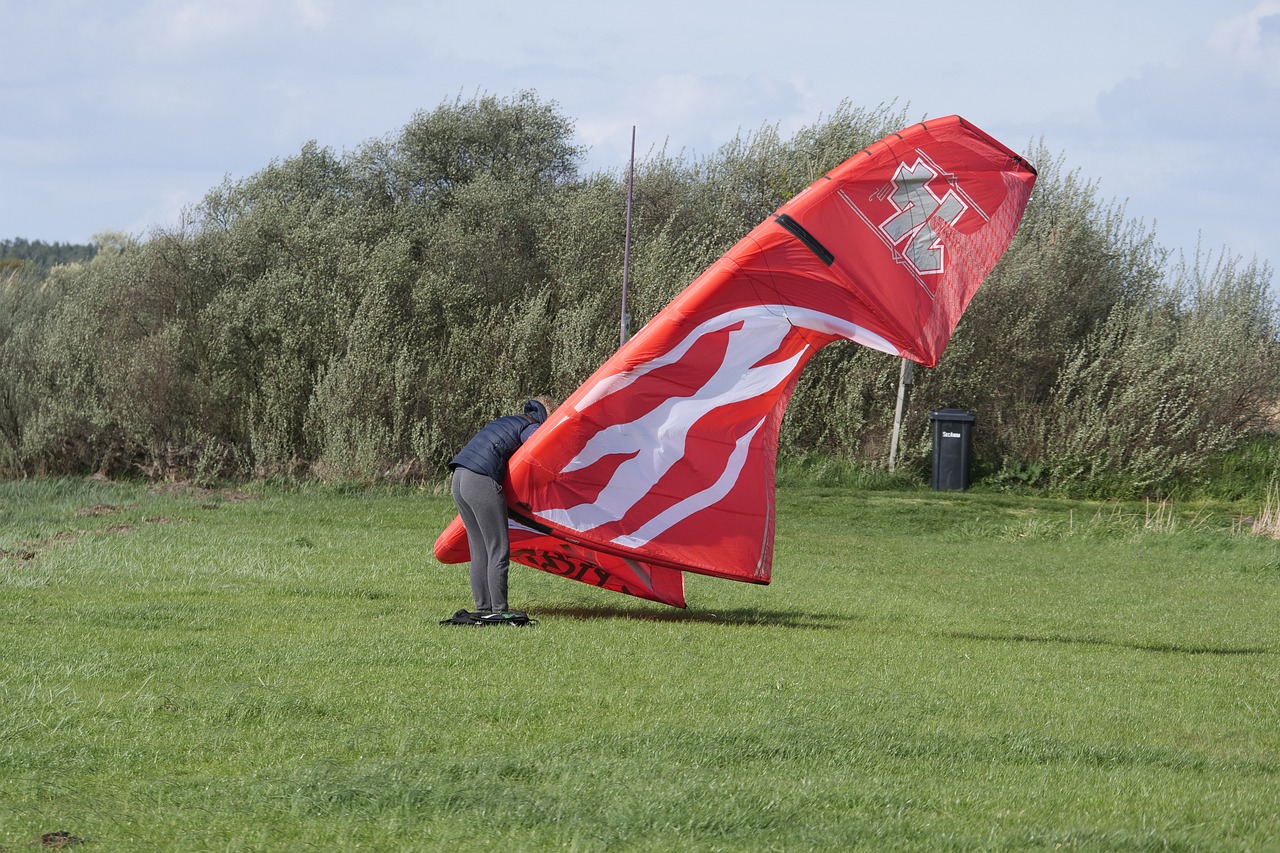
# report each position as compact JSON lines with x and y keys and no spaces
{"x":117,"y":115}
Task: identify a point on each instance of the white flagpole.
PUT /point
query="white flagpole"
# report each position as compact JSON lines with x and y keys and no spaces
{"x":904,"y":379}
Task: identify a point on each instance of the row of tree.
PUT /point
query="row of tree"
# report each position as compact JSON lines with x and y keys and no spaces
{"x":357,"y":316}
{"x":40,"y":254}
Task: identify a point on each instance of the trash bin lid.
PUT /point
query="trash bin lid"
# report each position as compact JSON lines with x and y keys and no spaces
{"x":953,"y":415}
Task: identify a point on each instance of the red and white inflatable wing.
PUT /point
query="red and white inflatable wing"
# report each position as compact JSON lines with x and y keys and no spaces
{"x":663,"y":461}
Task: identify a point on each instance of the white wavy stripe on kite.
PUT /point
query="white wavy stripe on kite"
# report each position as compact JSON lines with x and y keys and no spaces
{"x":658,"y":438}
{"x":676,"y":513}
{"x":787,"y":314}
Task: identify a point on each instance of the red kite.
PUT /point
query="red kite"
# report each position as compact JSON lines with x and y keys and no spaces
{"x":663,"y":462}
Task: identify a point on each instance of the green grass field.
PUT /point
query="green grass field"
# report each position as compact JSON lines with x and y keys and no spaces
{"x":190,"y":670}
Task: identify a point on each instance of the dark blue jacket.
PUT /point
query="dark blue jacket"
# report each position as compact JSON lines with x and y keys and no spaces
{"x":487,"y":453}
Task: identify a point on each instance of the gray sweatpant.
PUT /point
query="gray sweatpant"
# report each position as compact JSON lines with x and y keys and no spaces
{"x":484,"y":514}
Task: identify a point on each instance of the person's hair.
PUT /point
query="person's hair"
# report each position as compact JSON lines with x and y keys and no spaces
{"x":548,"y":403}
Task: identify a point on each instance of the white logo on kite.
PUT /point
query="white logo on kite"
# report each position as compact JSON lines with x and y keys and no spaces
{"x":918,"y":206}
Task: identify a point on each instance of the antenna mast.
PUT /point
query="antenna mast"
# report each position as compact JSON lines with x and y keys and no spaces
{"x":626,"y":244}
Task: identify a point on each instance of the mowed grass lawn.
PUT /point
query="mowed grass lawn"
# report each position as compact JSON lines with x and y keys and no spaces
{"x":191,"y":670}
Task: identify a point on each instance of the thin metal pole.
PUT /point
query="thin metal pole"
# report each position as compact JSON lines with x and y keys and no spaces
{"x":626,"y":244}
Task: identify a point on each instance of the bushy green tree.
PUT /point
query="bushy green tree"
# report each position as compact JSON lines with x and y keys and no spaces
{"x":357,"y":316}
{"x":1159,"y":389}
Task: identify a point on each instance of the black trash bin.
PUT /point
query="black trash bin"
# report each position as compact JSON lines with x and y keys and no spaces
{"x":952,"y":440}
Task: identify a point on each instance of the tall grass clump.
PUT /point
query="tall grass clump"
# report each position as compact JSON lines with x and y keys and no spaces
{"x":1268,"y":520}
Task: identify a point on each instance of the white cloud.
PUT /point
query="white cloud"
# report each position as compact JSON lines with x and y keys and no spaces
{"x":1188,"y":140}
{"x":313,"y":14}
{"x":1251,"y":42}
{"x":193,"y":24}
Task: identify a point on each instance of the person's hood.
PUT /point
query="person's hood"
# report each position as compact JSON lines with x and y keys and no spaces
{"x":535,"y":410}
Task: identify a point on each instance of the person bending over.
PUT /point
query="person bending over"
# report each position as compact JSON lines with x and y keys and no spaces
{"x":478,"y":472}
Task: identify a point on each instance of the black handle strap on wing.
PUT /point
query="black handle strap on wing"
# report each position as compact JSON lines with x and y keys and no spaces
{"x":811,"y":242}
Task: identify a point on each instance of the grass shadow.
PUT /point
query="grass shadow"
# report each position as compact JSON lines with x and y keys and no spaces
{"x":1172,"y":648}
{"x":747,"y":616}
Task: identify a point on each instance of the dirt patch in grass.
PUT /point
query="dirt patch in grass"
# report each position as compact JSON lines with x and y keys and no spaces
{"x":59,"y":840}
{"x":99,"y":510}
{"x":25,"y":552}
